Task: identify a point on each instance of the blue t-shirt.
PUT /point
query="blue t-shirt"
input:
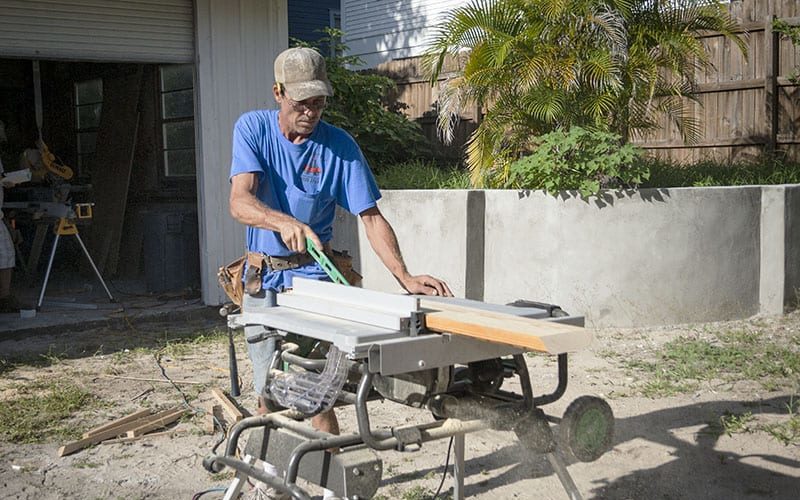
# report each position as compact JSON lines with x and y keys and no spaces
{"x":305,"y":180}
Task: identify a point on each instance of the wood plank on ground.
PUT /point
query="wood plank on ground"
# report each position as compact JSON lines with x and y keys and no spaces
{"x":170,"y":432}
{"x":229,"y":406}
{"x":159,"y":420}
{"x":103,"y":435}
{"x":115,"y":423}
{"x":213,"y":415}
{"x":538,"y":335}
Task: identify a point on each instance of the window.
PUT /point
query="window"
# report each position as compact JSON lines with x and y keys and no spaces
{"x":177,"y":120}
{"x":88,"y":106}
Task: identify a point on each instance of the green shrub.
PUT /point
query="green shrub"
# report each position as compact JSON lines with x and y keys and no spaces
{"x":419,"y":174}
{"x":793,"y":34}
{"x":763,"y":170}
{"x":577,"y":159}
{"x":359,"y":106}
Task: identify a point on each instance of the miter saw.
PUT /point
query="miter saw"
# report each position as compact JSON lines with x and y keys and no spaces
{"x":57,"y":206}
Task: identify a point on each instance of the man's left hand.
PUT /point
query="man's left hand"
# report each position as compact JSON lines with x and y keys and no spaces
{"x":426,"y":285}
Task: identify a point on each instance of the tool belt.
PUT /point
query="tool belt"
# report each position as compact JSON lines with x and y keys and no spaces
{"x":235,"y":282}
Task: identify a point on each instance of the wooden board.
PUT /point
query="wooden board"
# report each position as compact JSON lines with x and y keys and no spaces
{"x":115,"y":423}
{"x":101,"y":436}
{"x":213,"y":414}
{"x":230,"y":408}
{"x":171,"y":432}
{"x":157,"y":421}
{"x":528,"y":333}
{"x":116,"y":141}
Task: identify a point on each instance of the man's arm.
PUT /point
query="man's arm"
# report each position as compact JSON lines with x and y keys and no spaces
{"x":383,"y":240}
{"x":248,"y":210}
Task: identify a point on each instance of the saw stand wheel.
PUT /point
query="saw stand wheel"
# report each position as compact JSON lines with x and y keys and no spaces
{"x":587,"y":429}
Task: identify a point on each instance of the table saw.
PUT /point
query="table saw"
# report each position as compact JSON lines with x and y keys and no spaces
{"x":447,"y":357}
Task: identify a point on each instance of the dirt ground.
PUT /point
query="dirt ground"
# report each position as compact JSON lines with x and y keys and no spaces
{"x":665,"y":447}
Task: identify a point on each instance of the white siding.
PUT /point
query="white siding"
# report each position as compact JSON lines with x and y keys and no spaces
{"x":237,"y":42}
{"x":157,"y":31}
{"x":380,"y":30}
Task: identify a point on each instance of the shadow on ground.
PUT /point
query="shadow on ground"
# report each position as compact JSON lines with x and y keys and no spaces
{"x":696,"y":470}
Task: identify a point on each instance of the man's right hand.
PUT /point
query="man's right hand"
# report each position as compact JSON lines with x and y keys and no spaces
{"x":294,"y":233}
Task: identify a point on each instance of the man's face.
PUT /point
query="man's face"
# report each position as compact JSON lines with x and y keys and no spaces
{"x":300,"y":116}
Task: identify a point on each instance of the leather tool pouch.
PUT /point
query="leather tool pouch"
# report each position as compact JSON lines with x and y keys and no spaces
{"x":230,"y":276}
{"x":252,"y":277}
{"x":230,"y":279}
{"x":344,"y":263}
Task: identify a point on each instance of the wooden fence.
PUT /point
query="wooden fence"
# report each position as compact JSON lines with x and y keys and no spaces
{"x":745,"y":105}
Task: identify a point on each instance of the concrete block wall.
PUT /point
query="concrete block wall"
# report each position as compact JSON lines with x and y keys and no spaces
{"x":791,"y":245}
{"x":435,"y":235}
{"x":626,"y":258}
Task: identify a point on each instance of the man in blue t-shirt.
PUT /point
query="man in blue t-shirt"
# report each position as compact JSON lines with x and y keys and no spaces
{"x":289,"y":171}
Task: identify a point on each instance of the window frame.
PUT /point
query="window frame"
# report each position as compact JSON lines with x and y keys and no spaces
{"x":84,"y":165}
{"x":163,"y":121}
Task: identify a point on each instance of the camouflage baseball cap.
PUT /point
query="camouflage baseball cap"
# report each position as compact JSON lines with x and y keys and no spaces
{"x":302,"y":73}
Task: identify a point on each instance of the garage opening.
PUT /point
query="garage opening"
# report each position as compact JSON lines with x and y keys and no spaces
{"x":122,"y":140}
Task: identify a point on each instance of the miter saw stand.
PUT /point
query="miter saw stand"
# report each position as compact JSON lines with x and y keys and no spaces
{"x":379,"y":343}
{"x":67,"y":214}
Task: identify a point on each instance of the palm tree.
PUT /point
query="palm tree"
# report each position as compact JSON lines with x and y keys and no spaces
{"x":540,"y":65}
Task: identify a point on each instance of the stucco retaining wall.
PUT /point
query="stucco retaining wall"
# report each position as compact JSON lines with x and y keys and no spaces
{"x":626,"y":258}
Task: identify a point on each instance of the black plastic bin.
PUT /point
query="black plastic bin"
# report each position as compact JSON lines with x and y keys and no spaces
{"x":171,"y":249}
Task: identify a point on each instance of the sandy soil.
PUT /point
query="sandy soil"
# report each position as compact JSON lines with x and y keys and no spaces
{"x":664,"y":448}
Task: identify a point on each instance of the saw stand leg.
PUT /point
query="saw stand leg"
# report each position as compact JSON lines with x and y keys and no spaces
{"x":553,"y":457}
{"x":563,"y":475}
{"x":67,"y":228}
{"x":458,"y":467}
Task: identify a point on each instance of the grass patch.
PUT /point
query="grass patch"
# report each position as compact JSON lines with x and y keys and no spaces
{"x":422,"y":493}
{"x":729,"y":356}
{"x":172,"y":345}
{"x":422,"y":175}
{"x":41,"y":410}
{"x":788,"y":431}
{"x":736,"y":423}
{"x":122,"y":348}
{"x":43,"y":360}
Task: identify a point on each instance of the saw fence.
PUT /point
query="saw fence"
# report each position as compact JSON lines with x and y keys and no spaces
{"x":444,"y":356}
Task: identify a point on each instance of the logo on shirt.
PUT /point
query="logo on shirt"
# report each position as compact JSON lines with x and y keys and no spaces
{"x":312,"y":171}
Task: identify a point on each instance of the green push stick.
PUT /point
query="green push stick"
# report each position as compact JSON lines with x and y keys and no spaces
{"x":325,"y":263}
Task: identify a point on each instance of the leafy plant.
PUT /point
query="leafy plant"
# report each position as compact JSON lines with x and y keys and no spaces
{"x":585,"y":160}
{"x":542,"y":65}
{"x":360,"y":107}
{"x":792,"y":33}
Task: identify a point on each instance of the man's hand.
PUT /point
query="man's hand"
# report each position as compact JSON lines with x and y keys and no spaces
{"x":426,"y":285}
{"x":294,"y":233}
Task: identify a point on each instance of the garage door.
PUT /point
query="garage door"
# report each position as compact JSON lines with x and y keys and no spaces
{"x":148,"y":31}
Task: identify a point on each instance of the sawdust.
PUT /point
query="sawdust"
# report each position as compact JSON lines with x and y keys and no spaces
{"x":665,"y":447}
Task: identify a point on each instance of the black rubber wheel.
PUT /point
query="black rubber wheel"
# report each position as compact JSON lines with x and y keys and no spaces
{"x":587,"y":429}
